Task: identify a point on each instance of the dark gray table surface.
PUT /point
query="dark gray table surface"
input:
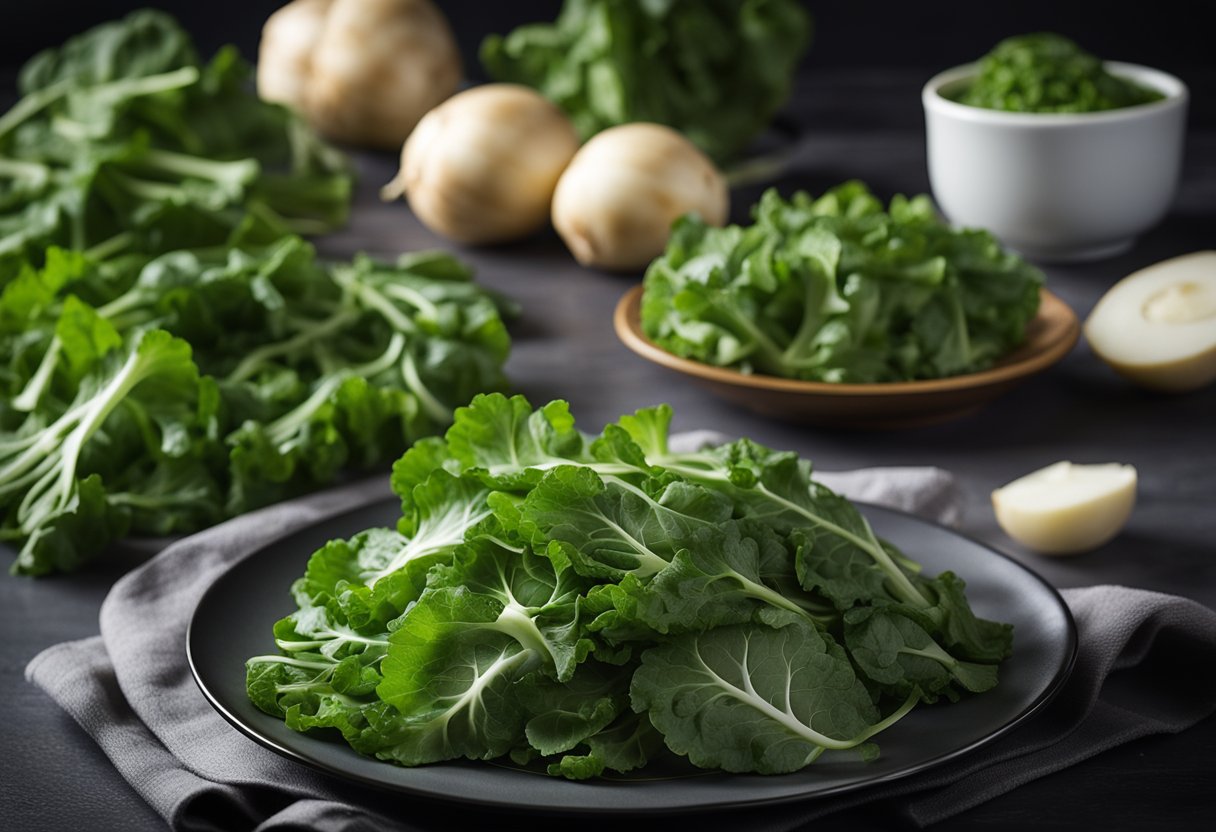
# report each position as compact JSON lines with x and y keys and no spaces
{"x":863,"y":125}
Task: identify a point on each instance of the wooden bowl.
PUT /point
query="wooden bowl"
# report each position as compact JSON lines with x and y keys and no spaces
{"x":890,"y":405}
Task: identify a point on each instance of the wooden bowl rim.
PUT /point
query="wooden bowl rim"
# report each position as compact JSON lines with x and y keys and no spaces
{"x":1061,"y":330}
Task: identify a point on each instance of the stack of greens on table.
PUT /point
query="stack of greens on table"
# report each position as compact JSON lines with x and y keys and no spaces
{"x":717,"y":70}
{"x":836,"y":289}
{"x":124,"y":141}
{"x":163,"y":397}
{"x":1047,"y":73}
{"x":171,"y":353}
{"x":584,"y":602}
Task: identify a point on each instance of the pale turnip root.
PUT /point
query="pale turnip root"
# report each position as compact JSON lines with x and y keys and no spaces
{"x":482,"y":166}
{"x":361,"y":71}
{"x":615,"y":203}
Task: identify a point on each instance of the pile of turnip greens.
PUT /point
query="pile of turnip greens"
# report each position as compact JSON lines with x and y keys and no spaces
{"x":838,"y":289}
{"x":716,"y":70}
{"x":588,"y":602}
{"x":162,"y":397}
{"x":124,"y":141}
{"x":171,"y":353}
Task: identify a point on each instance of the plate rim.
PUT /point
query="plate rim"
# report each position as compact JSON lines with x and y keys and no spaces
{"x":1053,"y":688}
{"x":626,"y":321}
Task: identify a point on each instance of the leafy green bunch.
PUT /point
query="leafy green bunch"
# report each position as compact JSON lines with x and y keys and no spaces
{"x":838,"y":289}
{"x":161,"y":395}
{"x":594,"y":603}
{"x":124,"y":141}
{"x":717,"y":70}
{"x":1048,"y":73}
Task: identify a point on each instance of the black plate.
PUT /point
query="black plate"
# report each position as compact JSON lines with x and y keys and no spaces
{"x":234,"y":618}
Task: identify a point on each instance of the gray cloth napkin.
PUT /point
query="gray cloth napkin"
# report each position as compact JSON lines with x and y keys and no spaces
{"x":131,"y":690}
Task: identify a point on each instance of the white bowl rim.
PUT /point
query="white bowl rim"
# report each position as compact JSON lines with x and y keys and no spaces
{"x":1175,"y":92}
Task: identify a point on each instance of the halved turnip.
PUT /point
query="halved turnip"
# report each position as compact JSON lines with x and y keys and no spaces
{"x":1157,"y":327}
{"x":1066,"y":509}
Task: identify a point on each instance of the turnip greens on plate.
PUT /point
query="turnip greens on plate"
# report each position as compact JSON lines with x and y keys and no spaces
{"x":587,"y":604}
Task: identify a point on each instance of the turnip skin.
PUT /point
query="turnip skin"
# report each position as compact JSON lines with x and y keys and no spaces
{"x":362,"y":72}
{"x":289,"y":39}
{"x":482,"y":167}
{"x":615,"y":203}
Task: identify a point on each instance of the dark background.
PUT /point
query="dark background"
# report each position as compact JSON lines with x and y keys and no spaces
{"x":919,"y":37}
{"x":925,"y":34}
{"x":857,"y":101}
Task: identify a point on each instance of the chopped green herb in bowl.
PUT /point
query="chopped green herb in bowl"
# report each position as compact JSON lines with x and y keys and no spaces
{"x":1062,"y":156}
{"x":1048,"y":73}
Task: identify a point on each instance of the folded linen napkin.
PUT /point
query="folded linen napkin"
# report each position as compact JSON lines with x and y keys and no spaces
{"x":131,"y":690}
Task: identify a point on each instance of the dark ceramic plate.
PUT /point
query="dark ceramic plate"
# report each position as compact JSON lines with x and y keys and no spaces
{"x":234,"y":619}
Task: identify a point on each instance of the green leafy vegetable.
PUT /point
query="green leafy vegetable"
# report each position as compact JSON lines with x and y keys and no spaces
{"x":124,"y":141}
{"x":592,"y":604}
{"x":894,"y":650}
{"x":623,"y":746}
{"x":717,"y":70}
{"x":164,"y":396}
{"x":172,"y":354}
{"x":837,"y":289}
{"x":757,"y":699}
{"x":60,"y":510}
{"x":1047,"y":73}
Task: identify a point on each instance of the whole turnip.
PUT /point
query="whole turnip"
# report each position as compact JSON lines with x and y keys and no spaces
{"x":616,"y":201}
{"x":482,"y":166}
{"x":360,"y":71}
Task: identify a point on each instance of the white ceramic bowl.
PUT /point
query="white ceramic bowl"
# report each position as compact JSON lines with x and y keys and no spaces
{"x":1056,"y":186}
